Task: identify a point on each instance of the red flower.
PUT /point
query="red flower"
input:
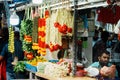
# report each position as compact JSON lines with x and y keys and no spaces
{"x":56,"y":24}
{"x":47,"y":14}
{"x":39,"y":22}
{"x":46,"y":46}
{"x":64,"y":28}
{"x":56,"y":47}
{"x":69,"y":30}
{"x":29,"y":56}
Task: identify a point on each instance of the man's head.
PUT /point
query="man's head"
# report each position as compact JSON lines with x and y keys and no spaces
{"x":104,"y":57}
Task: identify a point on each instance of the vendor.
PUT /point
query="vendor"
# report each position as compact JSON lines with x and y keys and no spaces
{"x":9,"y":57}
{"x":107,"y":70}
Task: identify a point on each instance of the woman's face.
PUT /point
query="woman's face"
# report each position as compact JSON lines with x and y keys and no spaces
{"x":104,"y":59}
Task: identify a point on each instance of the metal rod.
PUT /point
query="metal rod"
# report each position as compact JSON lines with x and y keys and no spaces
{"x":56,"y":5}
{"x":75,"y":39}
{"x":7,"y":12}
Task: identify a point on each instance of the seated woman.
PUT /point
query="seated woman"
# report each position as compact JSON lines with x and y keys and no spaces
{"x":107,"y":70}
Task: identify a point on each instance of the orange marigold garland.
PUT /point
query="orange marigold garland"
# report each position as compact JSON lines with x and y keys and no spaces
{"x":41,"y":36}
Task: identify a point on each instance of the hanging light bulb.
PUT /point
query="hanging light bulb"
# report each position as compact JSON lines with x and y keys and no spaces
{"x":37,"y":1}
{"x":14,"y":19}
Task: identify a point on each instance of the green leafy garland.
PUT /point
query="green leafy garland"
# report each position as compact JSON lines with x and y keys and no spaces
{"x":26,"y":29}
{"x":35,"y":30}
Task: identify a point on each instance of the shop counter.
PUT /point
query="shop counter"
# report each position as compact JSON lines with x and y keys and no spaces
{"x":62,"y":78}
{"x":33,"y":73}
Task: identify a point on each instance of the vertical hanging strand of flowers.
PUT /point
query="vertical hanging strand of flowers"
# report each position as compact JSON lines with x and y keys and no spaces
{"x":11,"y":40}
{"x":35,"y":25}
{"x":42,"y":33}
{"x":35,"y":33}
{"x":26,"y":37}
{"x":36,"y":16}
{"x":41,"y":36}
{"x":35,"y":30}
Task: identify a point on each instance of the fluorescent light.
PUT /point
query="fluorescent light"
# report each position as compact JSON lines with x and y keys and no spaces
{"x":14,"y":19}
{"x":37,"y":1}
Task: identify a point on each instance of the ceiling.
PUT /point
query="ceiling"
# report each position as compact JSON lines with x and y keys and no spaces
{"x":11,"y":4}
{"x":6,"y":0}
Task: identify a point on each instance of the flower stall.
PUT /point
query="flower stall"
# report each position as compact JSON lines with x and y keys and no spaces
{"x":48,"y":28}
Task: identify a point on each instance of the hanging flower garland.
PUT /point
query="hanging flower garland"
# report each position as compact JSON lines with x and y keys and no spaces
{"x":64,"y":23}
{"x":42,"y":33}
{"x":41,"y":36}
{"x":35,"y":17}
{"x":26,"y":37}
{"x":53,"y":37}
{"x":35,"y":33}
{"x":58,"y":24}
{"x":64,"y":29}
{"x":11,"y":40}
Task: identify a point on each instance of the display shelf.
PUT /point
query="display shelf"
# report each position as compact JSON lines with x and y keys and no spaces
{"x":62,"y":78}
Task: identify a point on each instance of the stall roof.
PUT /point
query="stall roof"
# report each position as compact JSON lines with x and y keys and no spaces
{"x":4,"y":0}
{"x":55,"y":4}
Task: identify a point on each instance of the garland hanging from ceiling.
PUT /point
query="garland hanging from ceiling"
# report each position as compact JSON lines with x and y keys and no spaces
{"x":26,"y":37}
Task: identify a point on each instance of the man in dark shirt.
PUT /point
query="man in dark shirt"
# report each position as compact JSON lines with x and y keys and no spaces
{"x":100,"y":45}
{"x":9,"y":57}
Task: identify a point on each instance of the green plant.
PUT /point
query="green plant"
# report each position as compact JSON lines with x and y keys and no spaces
{"x":19,"y":67}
